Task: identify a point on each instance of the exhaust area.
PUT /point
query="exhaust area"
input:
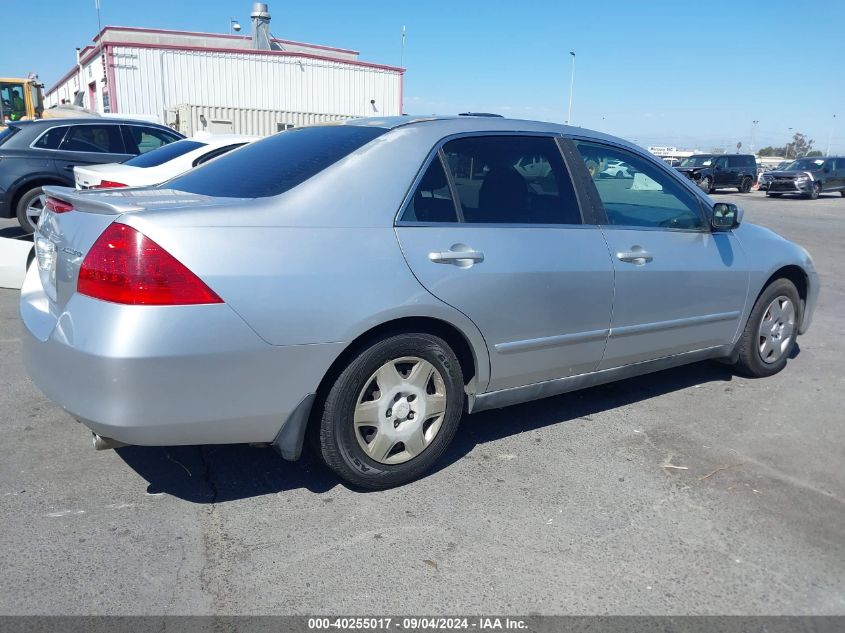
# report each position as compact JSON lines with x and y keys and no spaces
{"x":105,"y":443}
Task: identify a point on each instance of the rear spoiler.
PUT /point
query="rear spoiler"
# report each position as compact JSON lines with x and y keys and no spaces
{"x":95,"y":201}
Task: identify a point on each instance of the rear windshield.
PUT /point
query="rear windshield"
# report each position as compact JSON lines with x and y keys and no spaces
{"x":7,"y":133}
{"x":164,"y":153}
{"x":276,"y":164}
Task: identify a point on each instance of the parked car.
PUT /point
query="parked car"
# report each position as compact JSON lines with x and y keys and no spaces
{"x":617,"y":169}
{"x":367,"y":283}
{"x":38,"y":153}
{"x":718,"y":171}
{"x":808,"y":177}
{"x":159,"y":165}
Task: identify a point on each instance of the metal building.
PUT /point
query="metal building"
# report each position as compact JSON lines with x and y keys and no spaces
{"x":243,"y":84}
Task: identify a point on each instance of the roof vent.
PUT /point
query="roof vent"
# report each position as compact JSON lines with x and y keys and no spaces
{"x":261,"y":38}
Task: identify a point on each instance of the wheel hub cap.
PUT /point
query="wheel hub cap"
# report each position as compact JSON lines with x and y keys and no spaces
{"x":776,"y":328}
{"x":400,"y":410}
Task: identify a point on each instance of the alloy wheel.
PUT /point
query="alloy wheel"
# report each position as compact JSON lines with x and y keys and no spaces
{"x":34,"y":210}
{"x":400,"y":410}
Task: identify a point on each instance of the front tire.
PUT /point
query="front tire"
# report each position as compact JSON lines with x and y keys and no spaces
{"x":392,"y":411}
{"x":706,"y":184}
{"x":29,"y":209}
{"x":815,"y":191}
{"x":771,"y":331}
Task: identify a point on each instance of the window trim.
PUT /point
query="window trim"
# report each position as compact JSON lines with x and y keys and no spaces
{"x":703,"y":204}
{"x":437,"y":150}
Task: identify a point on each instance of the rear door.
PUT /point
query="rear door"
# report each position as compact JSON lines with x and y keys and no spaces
{"x":508,"y":247}
{"x":89,"y":144}
{"x":679,"y":286}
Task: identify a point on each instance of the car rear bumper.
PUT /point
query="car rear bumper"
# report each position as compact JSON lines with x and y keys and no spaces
{"x":165,"y":375}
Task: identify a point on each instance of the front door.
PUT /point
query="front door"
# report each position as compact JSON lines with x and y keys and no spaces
{"x":507,"y":246}
{"x":679,"y":286}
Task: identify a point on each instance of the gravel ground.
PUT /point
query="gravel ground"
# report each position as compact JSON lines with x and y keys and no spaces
{"x":690,"y":491}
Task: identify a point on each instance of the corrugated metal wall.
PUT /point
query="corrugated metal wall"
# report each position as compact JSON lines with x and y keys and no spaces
{"x":197,"y":118}
{"x":151,"y":81}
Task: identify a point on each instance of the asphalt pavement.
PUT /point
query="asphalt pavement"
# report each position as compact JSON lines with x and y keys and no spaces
{"x":690,"y":491}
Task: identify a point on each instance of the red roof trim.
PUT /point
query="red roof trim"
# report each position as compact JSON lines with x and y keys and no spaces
{"x":137,"y":29}
{"x":86,"y":55}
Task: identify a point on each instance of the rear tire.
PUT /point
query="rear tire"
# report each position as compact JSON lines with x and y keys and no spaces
{"x":382,"y":427}
{"x":745,"y":185}
{"x":771,"y":331}
{"x":29,"y":203}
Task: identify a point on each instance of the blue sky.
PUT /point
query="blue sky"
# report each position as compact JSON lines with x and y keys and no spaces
{"x":659,"y":72}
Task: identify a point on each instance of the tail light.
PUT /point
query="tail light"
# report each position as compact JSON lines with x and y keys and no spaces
{"x":57,"y":206}
{"x":109,"y":184}
{"x":125,"y":266}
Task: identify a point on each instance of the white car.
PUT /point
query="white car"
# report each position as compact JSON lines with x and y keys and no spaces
{"x":617,"y":169}
{"x":159,"y":165}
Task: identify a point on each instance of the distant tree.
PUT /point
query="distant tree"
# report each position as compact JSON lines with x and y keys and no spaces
{"x":814,"y":153}
{"x":800,"y":145}
{"x":772,"y":151}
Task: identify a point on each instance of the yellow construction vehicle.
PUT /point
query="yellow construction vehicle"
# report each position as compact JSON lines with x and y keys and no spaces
{"x":20,"y":99}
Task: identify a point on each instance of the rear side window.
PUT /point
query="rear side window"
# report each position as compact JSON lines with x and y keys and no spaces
{"x":274,"y":165}
{"x":51,"y":138}
{"x":163,"y":154}
{"x":512,"y":180}
{"x":141,"y":139}
{"x":102,"y":139}
{"x":432,"y":200}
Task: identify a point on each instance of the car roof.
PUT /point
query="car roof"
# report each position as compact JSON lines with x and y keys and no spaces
{"x":83,"y":120}
{"x":446,"y":125}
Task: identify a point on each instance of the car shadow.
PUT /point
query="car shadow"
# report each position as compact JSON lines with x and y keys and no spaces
{"x":228,"y":472}
{"x":15,"y":233}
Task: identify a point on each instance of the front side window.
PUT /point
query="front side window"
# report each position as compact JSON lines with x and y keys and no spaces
{"x":432,"y":199}
{"x":511,"y":180}
{"x":276,"y":164}
{"x":652,"y":198}
{"x":102,"y":139}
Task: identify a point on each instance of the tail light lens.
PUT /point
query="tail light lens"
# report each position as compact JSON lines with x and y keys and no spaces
{"x":125,"y":266}
{"x":57,"y":206}
{"x":109,"y":184}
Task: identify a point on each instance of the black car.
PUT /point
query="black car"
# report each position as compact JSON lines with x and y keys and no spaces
{"x":717,"y":171}
{"x":807,"y":177}
{"x":38,"y":153}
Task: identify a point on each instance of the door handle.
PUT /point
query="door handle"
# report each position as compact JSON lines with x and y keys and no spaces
{"x":636,"y":256}
{"x":69,"y":167}
{"x":459,"y":255}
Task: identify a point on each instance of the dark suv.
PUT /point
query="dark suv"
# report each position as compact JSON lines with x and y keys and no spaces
{"x":808,"y":177}
{"x":38,"y":153}
{"x":717,"y":171}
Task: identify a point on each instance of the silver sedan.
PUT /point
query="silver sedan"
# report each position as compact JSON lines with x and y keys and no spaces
{"x":366,"y":284}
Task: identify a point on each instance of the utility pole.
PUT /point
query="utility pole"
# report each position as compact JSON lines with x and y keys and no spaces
{"x":571,"y":88}
{"x":402,"y":53}
{"x":788,"y":143}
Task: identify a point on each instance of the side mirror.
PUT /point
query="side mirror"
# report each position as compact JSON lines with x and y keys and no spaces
{"x":726,"y":216}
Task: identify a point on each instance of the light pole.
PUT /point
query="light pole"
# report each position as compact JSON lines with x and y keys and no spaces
{"x":571,"y":88}
{"x":830,"y":135}
{"x":753,"y":134}
{"x":234,"y":26}
{"x":787,"y":145}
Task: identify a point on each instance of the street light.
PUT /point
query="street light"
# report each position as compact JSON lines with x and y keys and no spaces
{"x":753,"y":134}
{"x":787,"y":145}
{"x":571,"y":87}
{"x":830,"y":135}
{"x":234,"y":26}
